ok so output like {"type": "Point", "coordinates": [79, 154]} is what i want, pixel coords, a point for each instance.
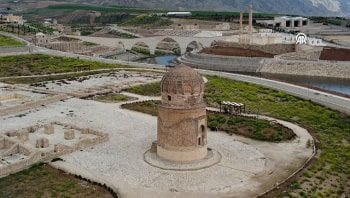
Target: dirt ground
{"type": "Point", "coordinates": [234, 51]}
{"type": "Point", "coordinates": [336, 54]}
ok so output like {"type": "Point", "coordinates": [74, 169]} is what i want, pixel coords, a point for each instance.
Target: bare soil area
{"type": "Point", "coordinates": [336, 54]}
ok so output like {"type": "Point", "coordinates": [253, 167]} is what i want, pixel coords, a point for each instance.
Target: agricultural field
{"type": "Point", "coordinates": [6, 41]}
{"type": "Point", "coordinates": [49, 182]}
{"type": "Point", "coordinates": [148, 21]}
{"type": "Point", "coordinates": [329, 174]}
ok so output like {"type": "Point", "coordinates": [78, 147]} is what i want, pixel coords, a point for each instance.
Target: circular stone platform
{"type": "Point", "coordinates": [213, 157]}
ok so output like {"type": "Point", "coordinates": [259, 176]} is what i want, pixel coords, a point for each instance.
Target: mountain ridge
{"type": "Point", "coordinates": [297, 7]}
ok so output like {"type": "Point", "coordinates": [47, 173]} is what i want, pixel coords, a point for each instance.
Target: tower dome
{"type": "Point", "coordinates": [182, 121]}
{"type": "Point", "coordinates": [182, 87]}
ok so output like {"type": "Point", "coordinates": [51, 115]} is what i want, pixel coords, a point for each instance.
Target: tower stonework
{"type": "Point", "coordinates": [250, 27]}
{"type": "Point", "coordinates": [182, 120]}
{"type": "Point", "coordinates": [241, 21]}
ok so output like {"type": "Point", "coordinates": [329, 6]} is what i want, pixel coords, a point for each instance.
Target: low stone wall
{"type": "Point", "coordinates": [11, 96]}
{"type": "Point", "coordinates": [222, 63]}
{"type": "Point", "coordinates": [31, 105]}
{"type": "Point", "coordinates": [271, 48]}
{"type": "Point", "coordinates": [11, 141]}
{"type": "Point", "coordinates": [13, 168]}
{"type": "Point", "coordinates": [307, 68]}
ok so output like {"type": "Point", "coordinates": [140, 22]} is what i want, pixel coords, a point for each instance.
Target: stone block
{"type": "Point", "coordinates": [49, 129]}
{"type": "Point", "coordinates": [42, 143]}
{"type": "Point", "coordinates": [23, 137]}
{"type": "Point", "coordinates": [69, 134]}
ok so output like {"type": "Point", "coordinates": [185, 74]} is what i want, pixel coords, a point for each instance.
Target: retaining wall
{"type": "Point", "coordinates": [270, 48]}
{"type": "Point", "coordinates": [222, 63]}
{"type": "Point", "coordinates": [334, 69]}
{"type": "Point", "coordinates": [31, 105]}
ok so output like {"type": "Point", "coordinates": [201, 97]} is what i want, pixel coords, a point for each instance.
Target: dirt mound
{"type": "Point", "coordinates": [234, 51]}
{"type": "Point", "coordinates": [336, 54]}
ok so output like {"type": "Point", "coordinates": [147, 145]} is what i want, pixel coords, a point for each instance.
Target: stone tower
{"type": "Point", "coordinates": [182, 120]}
{"type": "Point", "coordinates": [250, 28]}
{"type": "Point", "coordinates": [241, 21]}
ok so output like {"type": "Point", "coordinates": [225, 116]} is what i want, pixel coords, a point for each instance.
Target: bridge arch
{"type": "Point", "coordinates": [121, 46]}
{"type": "Point", "coordinates": [194, 45]}
{"type": "Point", "coordinates": [168, 45]}
{"type": "Point", "coordinates": [141, 47]}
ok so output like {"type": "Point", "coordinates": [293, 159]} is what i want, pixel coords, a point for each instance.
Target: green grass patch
{"type": "Point", "coordinates": [250, 127]}
{"type": "Point", "coordinates": [86, 43]}
{"type": "Point", "coordinates": [150, 89]}
{"type": "Point", "coordinates": [149, 21]}
{"type": "Point", "coordinates": [114, 97]}
{"type": "Point", "coordinates": [103, 9]}
{"type": "Point", "coordinates": [6, 41]}
{"type": "Point", "coordinates": [32, 80]}
{"type": "Point", "coordinates": [41, 180]}
{"type": "Point", "coordinates": [37, 64]}
{"type": "Point", "coordinates": [149, 107]}
{"type": "Point", "coordinates": [331, 127]}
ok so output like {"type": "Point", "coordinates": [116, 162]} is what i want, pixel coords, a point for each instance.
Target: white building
{"type": "Point", "coordinates": [179, 14]}
{"type": "Point", "coordinates": [10, 18]}
{"type": "Point", "coordinates": [286, 22]}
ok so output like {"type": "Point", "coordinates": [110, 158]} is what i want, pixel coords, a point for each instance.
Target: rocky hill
{"type": "Point", "coordinates": [300, 7]}
{"type": "Point", "coordinates": [297, 7]}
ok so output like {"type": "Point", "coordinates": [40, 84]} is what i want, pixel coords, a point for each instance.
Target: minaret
{"type": "Point", "coordinates": [250, 29]}
{"type": "Point", "coordinates": [241, 21]}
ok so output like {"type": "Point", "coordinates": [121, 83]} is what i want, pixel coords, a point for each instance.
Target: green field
{"type": "Point", "coordinates": [73, 7]}
{"type": "Point", "coordinates": [330, 127]}
{"type": "Point", "coordinates": [37, 64]}
{"type": "Point", "coordinates": [113, 98]}
{"type": "Point", "coordinates": [149, 107]}
{"type": "Point", "coordinates": [151, 89]}
{"type": "Point", "coordinates": [6, 41]}
{"type": "Point", "coordinates": [232, 124]}
{"type": "Point", "coordinates": [330, 173]}
{"type": "Point", "coordinates": [148, 21]}
{"type": "Point", "coordinates": [44, 181]}
{"type": "Point", "coordinates": [250, 127]}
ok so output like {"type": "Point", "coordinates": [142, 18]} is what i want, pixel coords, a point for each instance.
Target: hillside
{"type": "Point", "coordinates": [301, 7]}
{"type": "Point", "coordinates": [297, 7]}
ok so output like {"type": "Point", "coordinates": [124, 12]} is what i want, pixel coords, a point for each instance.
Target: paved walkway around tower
{"type": "Point", "coordinates": [248, 167]}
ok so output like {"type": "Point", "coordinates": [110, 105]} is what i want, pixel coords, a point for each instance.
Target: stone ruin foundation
{"type": "Point", "coordinates": [19, 149]}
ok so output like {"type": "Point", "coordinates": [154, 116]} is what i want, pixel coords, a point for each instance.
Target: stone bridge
{"type": "Point", "coordinates": [152, 42]}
